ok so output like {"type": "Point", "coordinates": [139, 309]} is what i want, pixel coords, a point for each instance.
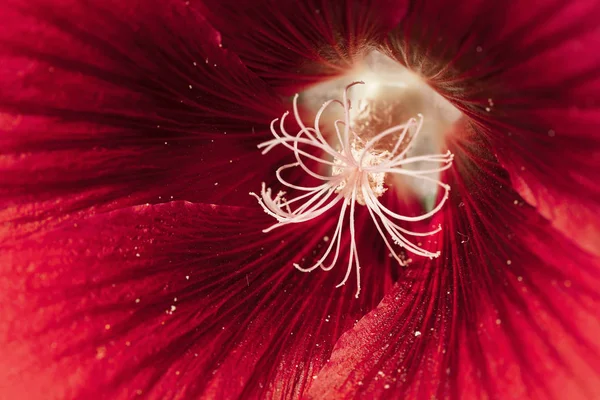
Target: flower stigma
{"type": "Point", "coordinates": [357, 166]}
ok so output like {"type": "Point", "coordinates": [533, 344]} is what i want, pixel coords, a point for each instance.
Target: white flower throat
{"type": "Point", "coordinates": [358, 168]}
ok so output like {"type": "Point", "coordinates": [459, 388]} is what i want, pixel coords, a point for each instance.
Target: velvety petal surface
{"type": "Point", "coordinates": [107, 103]}
{"type": "Point", "coordinates": [528, 75]}
{"type": "Point", "coordinates": [292, 44]}
{"type": "Point", "coordinates": [509, 311]}
{"type": "Point", "coordinates": [176, 300]}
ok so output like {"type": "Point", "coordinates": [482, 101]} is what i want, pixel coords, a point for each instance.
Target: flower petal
{"type": "Point", "coordinates": [292, 44]}
{"type": "Point", "coordinates": [568, 211]}
{"type": "Point", "coordinates": [509, 310]}
{"type": "Point", "coordinates": [177, 300]}
{"type": "Point", "coordinates": [528, 76]}
{"type": "Point", "coordinates": [109, 104]}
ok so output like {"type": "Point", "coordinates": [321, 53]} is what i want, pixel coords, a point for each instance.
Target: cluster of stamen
{"type": "Point", "coordinates": [358, 172]}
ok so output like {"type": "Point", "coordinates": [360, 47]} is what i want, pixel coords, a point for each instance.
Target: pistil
{"type": "Point", "coordinates": [358, 170]}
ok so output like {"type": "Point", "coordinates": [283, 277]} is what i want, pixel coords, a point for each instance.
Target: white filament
{"type": "Point", "coordinates": [357, 175]}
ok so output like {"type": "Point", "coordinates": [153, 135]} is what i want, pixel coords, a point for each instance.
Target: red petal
{"type": "Point", "coordinates": [528, 76]}
{"type": "Point", "coordinates": [509, 310]}
{"type": "Point", "coordinates": [568, 212]}
{"type": "Point", "coordinates": [118, 103]}
{"type": "Point", "coordinates": [292, 44]}
{"type": "Point", "coordinates": [221, 311]}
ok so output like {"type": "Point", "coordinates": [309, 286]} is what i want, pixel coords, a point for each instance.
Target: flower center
{"type": "Point", "coordinates": [358, 160]}
{"type": "Point", "coordinates": [391, 95]}
{"type": "Point", "coordinates": [352, 174]}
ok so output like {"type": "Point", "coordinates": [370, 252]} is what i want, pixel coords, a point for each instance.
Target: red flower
{"type": "Point", "coordinates": [133, 260]}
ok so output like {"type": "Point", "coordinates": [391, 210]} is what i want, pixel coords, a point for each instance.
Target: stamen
{"type": "Point", "coordinates": [358, 172]}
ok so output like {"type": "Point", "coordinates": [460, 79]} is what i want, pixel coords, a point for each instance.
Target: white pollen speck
{"type": "Point", "coordinates": [498, 321]}
{"type": "Point", "coordinates": [100, 352]}
{"type": "Point", "coordinates": [326, 238]}
{"type": "Point", "coordinates": [508, 262]}
{"type": "Point", "coordinates": [386, 386]}
{"type": "Point", "coordinates": [190, 86]}
{"type": "Point", "coordinates": [187, 277]}
{"type": "Point", "coordinates": [195, 63]}
{"type": "Point", "coordinates": [417, 333]}
{"type": "Point", "coordinates": [216, 183]}
{"type": "Point", "coordinates": [488, 109]}
{"type": "Point", "coordinates": [173, 308]}
{"type": "Point", "coordinates": [137, 255]}
{"type": "Point", "coordinates": [520, 278]}
{"type": "Point", "coordinates": [137, 300]}
{"type": "Point", "coordinates": [314, 376]}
